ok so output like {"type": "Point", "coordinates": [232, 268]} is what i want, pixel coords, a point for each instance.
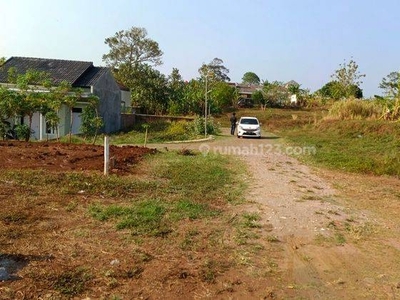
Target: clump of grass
{"type": "Point", "coordinates": [339, 239]}
{"type": "Point", "coordinates": [250, 220]}
{"type": "Point", "coordinates": [144, 218]}
{"type": "Point", "coordinates": [273, 239]}
{"type": "Point", "coordinates": [245, 228]}
{"type": "Point", "coordinates": [73, 282]}
{"type": "Point", "coordinates": [359, 231]}
{"type": "Point", "coordinates": [211, 268]}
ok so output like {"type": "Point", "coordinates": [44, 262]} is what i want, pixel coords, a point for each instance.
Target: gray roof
{"type": "Point", "coordinates": [78, 73]}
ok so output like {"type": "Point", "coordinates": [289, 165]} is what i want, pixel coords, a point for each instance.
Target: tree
{"type": "Point", "coordinates": [348, 77]}
{"type": "Point", "coordinates": [91, 121]}
{"type": "Point", "coordinates": [250, 78]}
{"type": "Point", "coordinates": [193, 96]}
{"type": "Point", "coordinates": [132, 57]}
{"type": "Point", "coordinates": [258, 97]}
{"type": "Point", "coordinates": [176, 86]}
{"type": "Point", "coordinates": [150, 91]}
{"type": "Point", "coordinates": [391, 85]}
{"type": "Point", "coordinates": [216, 68]}
{"type": "Point", "coordinates": [2, 61]}
{"type": "Point", "coordinates": [275, 93]}
{"type": "Point", "coordinates": [221, 96]}
{"type": "Point", "coordinates": [294, 89]}
{"type": "Point", "coordinates": [131, 48]}
{"type": "Point", "coordinates": [31, 99]}
{"type": "Point", "coordinates": [335, 90]}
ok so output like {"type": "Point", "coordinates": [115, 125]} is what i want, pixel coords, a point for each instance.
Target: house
{"type": "Point", "coordinates": [245, 90]}
{"type": "Point", "coordinates": [93, 80]}
{"type": "Point", "coordinates": [291, 83]}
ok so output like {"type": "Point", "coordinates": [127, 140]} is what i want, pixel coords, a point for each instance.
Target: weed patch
{"type": "Point", "coordinates": [72, 283]}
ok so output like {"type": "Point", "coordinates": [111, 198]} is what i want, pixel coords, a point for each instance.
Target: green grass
{"type": "Point", "coordinates": [205, 179]}
{"type": "Point", "coordinates": [363, 146]}
{"type": "Point", "coordinates": [182, 187]}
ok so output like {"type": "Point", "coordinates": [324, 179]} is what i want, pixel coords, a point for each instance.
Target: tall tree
{"type": "Point", "coordinates": [348, 76]}
{"type": "Point", "coordinates": [251, 78]}
{"type": "Point", "coordinates": [217, 69]}
{"type": "Point", "coordinates": [391, 84]}
{"type": "Point", "coordinates": [131, 48]}
{"type": "Point", "coordinates": [132, 57]}
{"type": "Point", "coordinates": [222, 95]}
{"type": "Point", "coordinates": [176, 85]}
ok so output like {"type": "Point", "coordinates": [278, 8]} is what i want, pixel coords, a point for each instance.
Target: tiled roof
{"type": "Point", "coordinates": [90, 77]}
{"type": "Point", "coordinates": [78, 73]}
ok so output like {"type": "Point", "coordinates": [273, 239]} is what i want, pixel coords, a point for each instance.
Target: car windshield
{"type": "Point", "coordinates": [249, 121]}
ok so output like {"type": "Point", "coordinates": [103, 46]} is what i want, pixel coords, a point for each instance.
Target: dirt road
{"type": "Point", "coordinates": [331, 235]}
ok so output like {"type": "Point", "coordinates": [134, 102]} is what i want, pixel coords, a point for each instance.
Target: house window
{"type": "Point", "coordinates": [50, 129]}
{"type": "Point", "coordinates": [77, 110]}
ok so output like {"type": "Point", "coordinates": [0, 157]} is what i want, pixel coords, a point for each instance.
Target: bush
{"type": "Point", "coordinates": [177, 131]}
{"type": "Point", "coordinates": [23, 132]}
{"type": "Point", "coordinates": [197, 126]}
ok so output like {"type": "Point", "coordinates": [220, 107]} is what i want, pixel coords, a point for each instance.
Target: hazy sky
{"type": "Point", "coordinates": [303, 40]}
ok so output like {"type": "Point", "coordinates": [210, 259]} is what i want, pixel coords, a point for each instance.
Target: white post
{"type": "Point", "coordinates": [205, 110]}
{"type": "Point", "coordinates": [106, 155]}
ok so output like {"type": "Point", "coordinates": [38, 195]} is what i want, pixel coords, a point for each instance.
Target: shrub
{"type": "Point", "coordinates": [197, 126]}
{"type": "Point", "coordinates": [23, 132]}
{"type": "Point", "coordinates": [177, 131]}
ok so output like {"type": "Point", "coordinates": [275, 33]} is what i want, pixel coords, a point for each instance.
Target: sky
{"type": "Point", "coordinates": [283, 40]}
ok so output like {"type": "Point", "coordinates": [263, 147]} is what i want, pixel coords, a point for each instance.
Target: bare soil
{"type": "Point", "coordinates": [61, 157]}
{"type": "Point", "coordinates": [322, 234]}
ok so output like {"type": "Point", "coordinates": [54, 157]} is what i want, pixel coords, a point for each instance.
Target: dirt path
{"type": "Point", "coordinates": [328, 238]}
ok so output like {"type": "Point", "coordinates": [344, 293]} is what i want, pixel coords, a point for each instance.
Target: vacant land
{"type": "Point", "coordinates": [61, 157]}
{"type": "Point", "coordinates": [178, 224]}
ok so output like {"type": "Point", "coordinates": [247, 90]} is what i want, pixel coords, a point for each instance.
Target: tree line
{"type": "Point", "coordinates": [133, 56]}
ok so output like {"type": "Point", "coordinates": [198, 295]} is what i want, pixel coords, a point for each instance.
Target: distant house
{"type": "Point", "coordinates": [245, 90]}
{"type": "Point", "coordinates": [291, 83]}
{"type": "Point", "coordinates": [97, 81]}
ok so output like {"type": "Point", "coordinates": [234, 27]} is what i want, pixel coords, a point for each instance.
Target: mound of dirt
{"type": "Point", "coordinates": [60, 157]}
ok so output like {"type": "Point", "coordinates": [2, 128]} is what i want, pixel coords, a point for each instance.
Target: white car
{"type": "Point", "coordinates": [249, 126]}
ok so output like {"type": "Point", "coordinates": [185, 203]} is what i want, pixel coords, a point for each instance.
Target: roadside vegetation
{"type": "Point", "coordinates": [351, 135]}
{"type": "Point", "coordinates": [165, 131]}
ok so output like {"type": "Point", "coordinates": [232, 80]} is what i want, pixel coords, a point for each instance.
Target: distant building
{"type": "Point", "coordinates": [97, 81]}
